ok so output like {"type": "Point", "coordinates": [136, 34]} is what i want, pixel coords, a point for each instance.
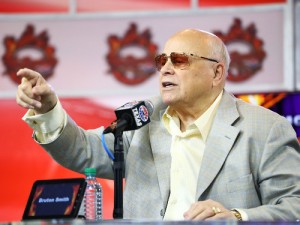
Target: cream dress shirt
{"type": "Point", "coordinates": [187, 150]}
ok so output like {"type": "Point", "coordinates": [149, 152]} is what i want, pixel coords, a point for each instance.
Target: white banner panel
{"type": "Point", "coordinates": [81, 46]}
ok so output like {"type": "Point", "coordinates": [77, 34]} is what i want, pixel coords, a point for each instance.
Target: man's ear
{"type": "Point", "coordinates": [219, 76]}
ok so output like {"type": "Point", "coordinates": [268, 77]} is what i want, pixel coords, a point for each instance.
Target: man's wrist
{"type": "Point", "coordinates": [237, 215]}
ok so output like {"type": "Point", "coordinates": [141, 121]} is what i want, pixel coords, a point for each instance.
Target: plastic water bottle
{"type": "Point", "coordinates": [93, 196]}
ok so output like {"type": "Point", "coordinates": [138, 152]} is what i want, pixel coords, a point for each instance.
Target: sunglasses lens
{"type": "Point", "coordinates": [160, 61]}
{"type": "Point", "coordinates": [180, 61]}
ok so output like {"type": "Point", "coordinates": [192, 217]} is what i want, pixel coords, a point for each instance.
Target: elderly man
{"type": "Point", "coordinates": [205, 155]}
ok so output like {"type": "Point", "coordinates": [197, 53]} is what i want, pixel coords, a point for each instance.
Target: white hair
{"type": "Point", "coordinates": [219, 52]}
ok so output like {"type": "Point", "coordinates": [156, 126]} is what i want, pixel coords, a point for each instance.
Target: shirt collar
{"type": "Point", "coordinates": [202, 125]}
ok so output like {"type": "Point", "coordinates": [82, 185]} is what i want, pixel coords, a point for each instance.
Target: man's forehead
{"type": "Point", "coordinates": [184, 45]}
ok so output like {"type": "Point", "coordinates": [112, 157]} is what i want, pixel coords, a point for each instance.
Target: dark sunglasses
{"type": "Point", "coordinates": [179, 60]}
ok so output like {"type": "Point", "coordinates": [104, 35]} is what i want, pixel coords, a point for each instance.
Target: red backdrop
{"type": "Point", "coordinates": [22, 161]}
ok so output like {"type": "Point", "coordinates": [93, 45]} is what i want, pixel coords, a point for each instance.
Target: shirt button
{"type": "Point", "coordinates": [162, 212]}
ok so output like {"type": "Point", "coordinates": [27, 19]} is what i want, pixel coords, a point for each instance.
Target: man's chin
{"type": "Point", "coordinates": [168, 100]}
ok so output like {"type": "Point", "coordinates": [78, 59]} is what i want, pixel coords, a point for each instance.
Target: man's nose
{"type": "Point", "coordinates": [168, 67]}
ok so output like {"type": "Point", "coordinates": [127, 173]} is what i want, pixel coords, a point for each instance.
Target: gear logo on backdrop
{"type": "Point", "coordinates": [29, 51]}
{"type": "Point", "coordinates": [246, 51]}
{"type": "Point", "coordinates": [131, 57]}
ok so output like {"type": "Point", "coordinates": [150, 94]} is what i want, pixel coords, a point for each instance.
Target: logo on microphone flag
{"type": "Point", "coordinates": [143, 112]}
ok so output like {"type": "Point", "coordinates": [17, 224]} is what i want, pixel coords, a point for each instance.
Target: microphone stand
{"type": "Point", "coordinates": [118, 174]}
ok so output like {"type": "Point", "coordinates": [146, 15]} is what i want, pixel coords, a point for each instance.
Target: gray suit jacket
{"type": "Point", "coordinates": [251, 161]}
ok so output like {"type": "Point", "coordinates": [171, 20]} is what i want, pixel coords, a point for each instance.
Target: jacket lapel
{"type": "Point", "coordinates": [219, 143]}
{"type": "Point", "coordinates": [160, 141]}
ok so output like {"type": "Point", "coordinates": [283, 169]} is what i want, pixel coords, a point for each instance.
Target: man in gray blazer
{"type": "Point", "coordinates": [205, 154]}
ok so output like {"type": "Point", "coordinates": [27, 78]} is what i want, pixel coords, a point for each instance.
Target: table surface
{"type": "Point", "coordinates": [146, 222]}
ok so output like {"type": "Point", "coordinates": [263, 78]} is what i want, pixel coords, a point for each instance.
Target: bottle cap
{"type": "Point", "coordinates": [90, 171]}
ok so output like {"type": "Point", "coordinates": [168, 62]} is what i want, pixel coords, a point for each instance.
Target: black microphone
{"type": "Point", "coordinates": [131, 116]}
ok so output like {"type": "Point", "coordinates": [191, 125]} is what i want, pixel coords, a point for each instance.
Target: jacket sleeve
{"type": "Point", "coordinates": [76, 149]}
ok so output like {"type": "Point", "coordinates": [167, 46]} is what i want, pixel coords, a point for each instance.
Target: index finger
{"type": "Point", "coordinates": [28, 73]}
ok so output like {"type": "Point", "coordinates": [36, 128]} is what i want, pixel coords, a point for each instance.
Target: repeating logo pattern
{"type": "Point", "coordinates": [13, 59]}
{"type": "Point", "coordinates": [243, 65]}
{"type": "Point", "coordinates": [130, 69]}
